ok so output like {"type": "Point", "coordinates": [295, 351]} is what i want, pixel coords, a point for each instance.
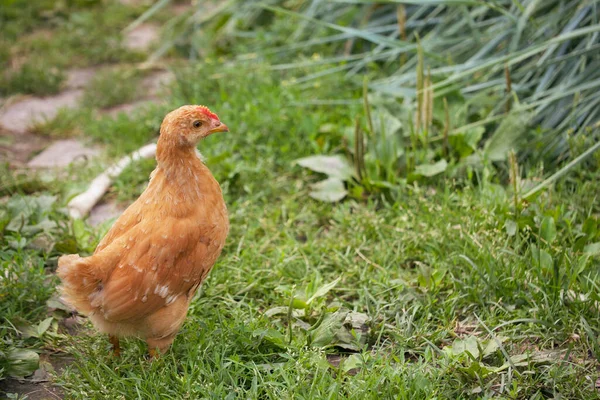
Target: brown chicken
{"type": "Point", "coordinates": [143, 274]}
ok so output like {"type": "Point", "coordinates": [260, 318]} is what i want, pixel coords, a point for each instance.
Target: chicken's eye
{"type": "Point", "coordinates": [197, 124]}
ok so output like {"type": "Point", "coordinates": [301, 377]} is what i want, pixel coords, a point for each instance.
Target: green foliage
{"type": "Point", "coordinates": [29, 228]}
{"type": "Point", "coordinates": [17, 363]}
{"type": "Point", "coordinates": [515, 65]}
{"type": "Point", "coordinates": [445, 291]}
{"type": "Point", "coordinates": [21, 16]}
{"type": "Point", "coordinates": [67, 122]}
{"type": "Point", "coordinates": [61, 34]}
{"type": "Point", "coordinates": [112, 87]}
{"type": "Point", "coordinates": [33, 78]}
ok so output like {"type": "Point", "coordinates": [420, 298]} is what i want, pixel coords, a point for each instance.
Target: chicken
{"type": "Point", "coordinates": [144, 272]}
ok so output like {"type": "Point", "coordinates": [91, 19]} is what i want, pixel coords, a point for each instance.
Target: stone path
{"type": "Point", "coordinates": [62, 153]}
{"type": "Point", "coordinates": [17, 148]}
{"type": "Point", "coordinates": [19, 115]}
{"type": "Point", "coordinates": [142, 37]}
{"type": "Point", "coordinates": [103, 212]}
{"type": "Point", "coordinates": [22, 115]}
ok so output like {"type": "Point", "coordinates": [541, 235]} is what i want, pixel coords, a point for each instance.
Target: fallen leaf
{"type": "Point", "coordinates": [431, 169]}
{"type": "Point", "coordinates": [592, 248]}
{"type": "Point", "coordinates": [330, 190]}
{"type": "Point", "coordinates": [333, 166]}
{"type": "Point", "coordinates": [323, 290]}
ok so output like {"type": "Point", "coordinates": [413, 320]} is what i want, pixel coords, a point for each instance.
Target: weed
{"type": "Point", "coordinates": [33, 78]}
{"type": "Point", "coordinates": [111, 88]}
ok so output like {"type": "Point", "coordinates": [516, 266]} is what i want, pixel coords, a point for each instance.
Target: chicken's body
{"type": "Point", "coordinates": [143, 274]}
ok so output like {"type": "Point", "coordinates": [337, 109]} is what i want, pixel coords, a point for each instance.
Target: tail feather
{"type": "Point", "coordinates": [78, 282]}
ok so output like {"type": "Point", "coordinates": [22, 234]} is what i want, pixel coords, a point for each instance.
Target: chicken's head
{"type": "Point", "coordinates": [187, 125]}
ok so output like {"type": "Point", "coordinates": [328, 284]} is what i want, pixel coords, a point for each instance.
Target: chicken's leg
{"type": "Point", "coordinates": [114, 340]}
{"type": "Point", "coordinates": [157, 347]}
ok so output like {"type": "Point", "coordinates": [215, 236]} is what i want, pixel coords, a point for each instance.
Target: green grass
{"type": "Point", "coordinates": [47, 37]}
{"type": "Point", "coordinates": [111, 88]}
{"type": "Point", "coordinates": [445, 287]}
{"type": "Point", "coordinates": [436, 273]}
{"type": "Point", "coordinates": [33, 79]}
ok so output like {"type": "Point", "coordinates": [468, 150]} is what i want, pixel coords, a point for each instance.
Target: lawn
{"type": "Point", "coordinates": [422, 279]}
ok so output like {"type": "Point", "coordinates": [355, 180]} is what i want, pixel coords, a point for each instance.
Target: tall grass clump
{"type": "Point", "coordinates": [454, 83]}
{"type": "Point", "coordinates": [549, 51]}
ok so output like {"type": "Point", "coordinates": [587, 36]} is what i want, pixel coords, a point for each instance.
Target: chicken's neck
{"type": "Point", "coordinates": [180, 167]}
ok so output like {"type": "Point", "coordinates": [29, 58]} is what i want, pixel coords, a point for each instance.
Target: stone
{"type": "Point", "coordinates": [17, 148]}
{"type": "Point", "coordinates": [156, 81]}
{"type": "Point", "coordinates": [103, 212]}
{"type": "Point", "coordinates": [127, 108]}
{"type": "Point", "coordinates": [141, 37]}
{"type": "Point", "coordinates": [23, 114]}
{"type": "Point", "coordinates": [137, 3]}
{"type": "Point", "coordinates": [61, 154]}
{"type": "Point", "coordinates": [79, 78]}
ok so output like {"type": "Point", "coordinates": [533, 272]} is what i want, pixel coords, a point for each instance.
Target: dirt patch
{"type": "Point", "coordinates": [39, 386]}
{"type": "Point", "coordinates": [33, 391]}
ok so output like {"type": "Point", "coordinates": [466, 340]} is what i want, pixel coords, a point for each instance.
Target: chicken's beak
{"type": "Point", "coordinates": [221, 127]}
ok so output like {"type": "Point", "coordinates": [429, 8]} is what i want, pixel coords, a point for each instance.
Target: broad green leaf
{"type": "Point", "coordinates": [4, 219]}
{"type": "Point", "coordinates": [357, 320]}
{"type": "Point", "coordinates": [492, 345]}
{"type": "Point", "coordinates": [461, 346]}
{"type": "Point", "coordinates": [590, 227]}
{"type": "Point", "coordinates": [333, 166]}
{"type": "Point", "coordinates": [506, 137]}
{"type": "Point", "coordinates": [299, 303]}
{"type": "Point", "coordinates": [464, 143]}
{"type": "Point", "coordinates": [548, 230]}
{"type": "Point", "coordinates": [477, 370]}
{"type": "Point", "coordinates": [323, 290]}
{"type": "Point", "coordinates": [21, 362]}
{"type": "Point", "coordinates": [546, 262]}
{"type": "Point", "coordinates": [271, 335]}
{"type": "Point", "coordinates": [592, 248]}
{"type": "Point", "coordinates": [43, 326]}
{"type": "Point", "coordinates": [431, 169]}
{"type": "Point", "coordinates": [537, 357]}
{"type": "Point", "coordinates": [511, 227]}
{"type": "Point", "coordinates": [389, 123]}
{"type": "Point", "coordinates": [354, 361]}
{"type": "Point", "coordinates": [279, 310]}
{"type": "Point", "coordinates": [54, 303]}
{"type": "Point", "coordinates": [325, 333]}
{"type": "Point", "coordinates": [82, 236]}
{"type": "Point", "coordinates": [45, 202]}
{"type": "Point", "coordinates": [330, 190]}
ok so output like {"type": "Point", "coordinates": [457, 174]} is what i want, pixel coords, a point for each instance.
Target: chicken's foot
{"type": "Point", "coordinates": [156, 347]}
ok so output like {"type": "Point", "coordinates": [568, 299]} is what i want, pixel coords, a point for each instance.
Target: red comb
{"type": "Point", "coordinates": [204, 110]}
